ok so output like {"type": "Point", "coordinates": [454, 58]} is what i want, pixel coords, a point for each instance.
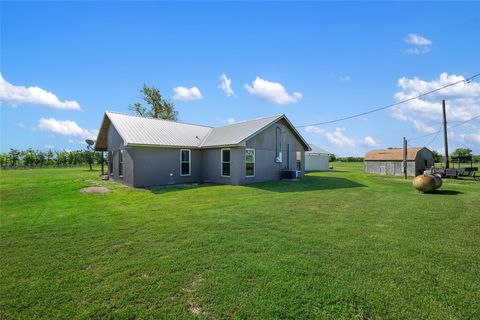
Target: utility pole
{"type": "Point", "coordinates": [404, 164]}
{"type": "Point", "coordinates": [445, 140]}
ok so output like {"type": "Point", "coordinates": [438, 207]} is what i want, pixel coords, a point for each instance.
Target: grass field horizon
{"type": "Point", "coordinates": [335, 245]}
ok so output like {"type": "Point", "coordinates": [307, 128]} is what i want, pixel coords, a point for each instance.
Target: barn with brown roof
{"type": "Point", "coordinates": [389, 161]}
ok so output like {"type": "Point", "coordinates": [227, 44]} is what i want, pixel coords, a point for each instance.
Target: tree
{"type": "Point", "coordinates": [437, 157]}
{"type": "Point", "coordinates": [29, 157]}
{"type": "Point", "coordinates": [49, 156]}
{"type": "Point", "coordinates": [158, 107]}
{"type": "Point", "coordinates": [3, 159]}
{"type": "Point", "coordinates": [13, 157]}
{"type": "Point", "coordinates": [61, 158]}
{"type": "Point", "coordinates": [460, 152]}
{"type": "Point", "coordinates": [332, 158]}
{"type": "Point", "coordinates": [90, 152]}
{"type": "Point", "coordinates": [41, 158]}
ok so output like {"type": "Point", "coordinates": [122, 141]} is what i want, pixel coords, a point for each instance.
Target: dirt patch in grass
{"type": "Point", "coordinates": [95, 190]}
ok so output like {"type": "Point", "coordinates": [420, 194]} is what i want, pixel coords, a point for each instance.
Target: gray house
{"type": "Point", "coordinates": [390, 161]}
{"type": "Point", "coordinates": [147, 152]}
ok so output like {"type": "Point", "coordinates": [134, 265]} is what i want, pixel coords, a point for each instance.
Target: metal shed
{"type": "Point", "coordinates": [389, 161]}
{"type": "Point", "coordinates": [316, 159]}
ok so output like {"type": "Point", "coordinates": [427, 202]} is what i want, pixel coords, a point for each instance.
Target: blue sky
{"type": "Point", "coordinates": [314, 62]}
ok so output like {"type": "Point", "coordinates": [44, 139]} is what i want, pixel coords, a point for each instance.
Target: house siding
{"type": "Point", "coordinates": [316, 162]}
{"type": "Point", "coordinates": [115, 144]}
{"type": "Point", "coordinates": [266, 168]}
{"type": "Point", "coordinates": [212, 165]}
{"type": "Point", "coordinates": [150, 166]}
{"type": "Point", "coordinates": [154, 165]}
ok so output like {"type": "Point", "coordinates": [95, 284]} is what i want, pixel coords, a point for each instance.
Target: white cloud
{"type": "Point", "coordinates": [420, 50]}
{"type": "Point", "coordinates": [48, 146]}
{"type": "Point", "coordinates": [314, 129]}
{"type": "Point", "coordinates": [231, 121]}
{"type": "Point", "coordinates": [226, 85]}
{"type": "Point", "coordinates": [339, 139]}
{"type": "Point", "coordinates": [345, 78]}
{"type": "Point", "coordinates": [418, 40]}
{"type": "Point", "coordinates": [420, 44]}
{"type": "Point", "coordinates": [186, 94]}
{"type": "Point", "coordinates": [421, 126]}
{"type": "Point", "coordinates": [425, 113]}
{"type": "Point", "coordinates": [67, 128]}
{"type": "Point", "coordinates": [272, 91]}
{"type": "Point", "coordinates": [22, 125]}
{"type": "Point", "coordinates": [71, 141]}
{"type": "Point", "coordinates": [16, 95]}
{"type": "Point", "coordinates": [369, 142]}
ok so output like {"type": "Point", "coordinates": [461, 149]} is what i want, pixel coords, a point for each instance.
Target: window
{"type": "Point", "coordinates": [120, 163]}
{"type": "Point", "coordinates": [250, 162]}
{"type": "Point", "coordinates": [110, 162]}
{"type": "Point", "coordinates": [185, 162]}
{"type": "Point", "coordinates": [225, 162]}
{"type": "Point", "coordinates": [298, 158]}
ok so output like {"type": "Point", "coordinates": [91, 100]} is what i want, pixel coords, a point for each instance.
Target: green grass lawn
{"type": "Point", "coordinates": [336, 245]}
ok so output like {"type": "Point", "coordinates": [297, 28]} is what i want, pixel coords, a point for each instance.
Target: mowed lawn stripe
{"type": "Point", "coordinates": [334, 245]}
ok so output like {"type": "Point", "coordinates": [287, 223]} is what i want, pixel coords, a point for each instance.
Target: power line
{"type": "Point", "coordinates": [437, 132]}
{"type": "Point", "coordinates": [436, 136]}
{"type": "Point", "coordinates": [467, 80]}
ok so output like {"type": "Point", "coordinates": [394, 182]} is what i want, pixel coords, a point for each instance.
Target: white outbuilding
{"type": "Point", "coordinates": [316, 159]}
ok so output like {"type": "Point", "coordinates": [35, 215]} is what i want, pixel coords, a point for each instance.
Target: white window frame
{"type": "Point", "coordinates": [189, 162]}
{"type": "Point", "coordinates": [297, 162]}
{"type": "Point", "coordinates": [254, 161]}
{"type": "Point", "coordinates": [229, 162]}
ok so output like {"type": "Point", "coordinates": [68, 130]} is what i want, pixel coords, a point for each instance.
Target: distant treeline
{"type": "Point", "coordinates": [333, 158]}
{"type": "Point", "coordinates": [31, 158]}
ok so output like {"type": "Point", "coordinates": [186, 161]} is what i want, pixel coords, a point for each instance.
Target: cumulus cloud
{"type": "Point", "coordinates": [314, 129]}
{"type": "Point", "coordinates": [231, 121]}
{"type": "Point", "coordinates": [418, 40]}
{"type": "Point", "coordinates": [16, 95]}
{"type": "Point", "coordinates": [272, 91]}
{"type": "Point", "coordinates": [66, 128]}
{"type": "Point", "coordinates": [420, 44]}
{"type": "Point", "coordinates": [339, 139]}
{"type": "Point", "coordinates": [48, 146]}
{"type": "Point", "coordinates": [226, 85]}
{"type": "Point", "coordinates": [186, 94]}
{"type": "Point", "coordinates": [369, 142]}
{"type": "Point", "coordinates": [345, 78]}
{"type": "Point", "coordinates": [425, 113]}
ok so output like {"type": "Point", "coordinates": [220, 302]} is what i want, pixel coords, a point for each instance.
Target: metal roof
{"type": "Point", "coordinates": [316, 150]}
{"type": "Point", "coordinates": [395, 154]}
{"type": "Point", "coordinates": [236, 133]}
{"type": "Point", "coordinates": [136, 130]}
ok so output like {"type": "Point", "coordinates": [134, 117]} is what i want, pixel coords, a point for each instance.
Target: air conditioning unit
{"type": "Point", "coordinates": [290, 174]}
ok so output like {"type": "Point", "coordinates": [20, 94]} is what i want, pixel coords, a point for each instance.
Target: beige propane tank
{"type": "Point", "coordinates": [424, 183]}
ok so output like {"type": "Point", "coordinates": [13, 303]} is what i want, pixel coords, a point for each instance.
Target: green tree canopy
{"type": "Point", "coordinates": [459, 152]}
{"type": "Point", "coordinates": [158, 107]}
{"type": "Point", "coordinates": [437, 157]}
